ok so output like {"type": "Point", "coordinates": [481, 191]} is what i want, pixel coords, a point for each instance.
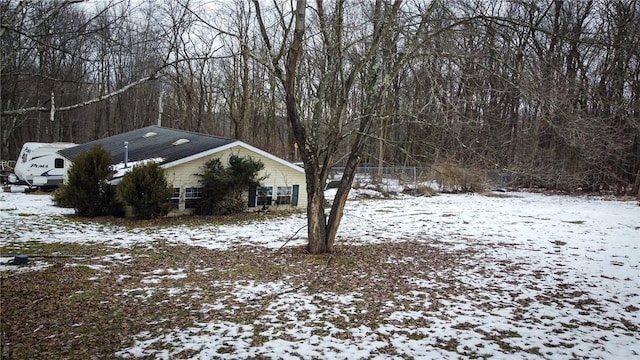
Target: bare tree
{"type": "Point", "coordinates": [38, 43]}
{"type": "Point", "coordinates": [319, 71]}
{"type": "Point", "coordinates": [547, 90]}
{"type": "Point", "coordinates": [67, 66]}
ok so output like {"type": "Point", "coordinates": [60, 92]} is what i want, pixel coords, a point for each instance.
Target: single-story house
{"type": "Point", "coordinates": [183, 154]}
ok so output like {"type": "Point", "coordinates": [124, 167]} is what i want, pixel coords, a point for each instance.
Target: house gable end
{"type": "Point", "coordinates": [222, 148]}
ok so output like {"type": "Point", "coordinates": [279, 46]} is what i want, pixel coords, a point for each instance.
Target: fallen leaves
{"type": "Point", "coordinates": [96, 305]}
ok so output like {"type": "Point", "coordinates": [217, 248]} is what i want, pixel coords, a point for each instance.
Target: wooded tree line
{"type": "Point", "coordinates": [546, 90]}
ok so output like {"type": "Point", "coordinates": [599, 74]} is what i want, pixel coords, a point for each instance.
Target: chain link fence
{"type": "Point", "coordinates": [387, 178]}
{"type": "Point", "coordinates": [410, 178]}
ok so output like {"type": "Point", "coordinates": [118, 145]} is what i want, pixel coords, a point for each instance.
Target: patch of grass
{"type": "Point", "coordinates": [631, 308]}
{"type": "Point", "coordinates": [560, 344]}
{"type": "Point", "coordinates": [506, 347]}
{"type": "Point", "coordinates": [585, 303]}
{"type": "Point", "coordinates": [450, 344]}
{"type": "Point", "coordinates": [559, 243]}
{"type": "Point", "coordinates": [385, 211]}
{"type": "Point", "coordinates": [498, 195]}
{"type": "Point", "coordinates": [629, 325]}
{"type": "Point", "coordinates": [186, 220]}
{"type": "Point", "coordinates": [81, 297]}
{"type": "Point", "coordinates": [321, 331]}
{"type": "Point", "coordinates": [499, 337]}
{"type": "Point", "coordinates": [534, 350]}
{"type": "Point", "coordinates": [189, 354]}
{"type": "Point", "coordinates": [257, 338]}
{"type": "Point", "coordinates": [463, 326]}
{"type": "Point", "coordinates": [224, 350]}
{"type": "Point", "coordinates": [416, 336]}
{"type": "Point", "coordinates": [509, 334]}
{"type": "Point", "coordinates": [569, 326]}
{"type": "Point", "coordinates": [247, 271]}
{"type": "Point", "coordinates": [317, 259]}
{"type": "Point", "coordinates": [42, 249]}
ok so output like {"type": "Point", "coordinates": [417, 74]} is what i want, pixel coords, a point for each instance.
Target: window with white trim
{"type": "Point", "coordinates": [284, 195]}
{"type": "Point", "coordinates": [191, 197]}
{"type": "Point", "coordinates": [175, 198]}
{"type": "Point", "coordinates": [264, 195]}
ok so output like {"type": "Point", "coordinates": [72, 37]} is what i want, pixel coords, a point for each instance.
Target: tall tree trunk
{"type": "Point", "coordinates": [340, 200]}
{"type": "Point", "coordinates": [316, 219]}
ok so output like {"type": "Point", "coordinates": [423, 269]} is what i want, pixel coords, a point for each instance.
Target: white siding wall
{"type": "Point", "coordinates": [184, 175]}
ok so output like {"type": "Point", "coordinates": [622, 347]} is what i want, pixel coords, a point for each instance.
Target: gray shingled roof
{"type": "Point", "coordinates": [143, 147]}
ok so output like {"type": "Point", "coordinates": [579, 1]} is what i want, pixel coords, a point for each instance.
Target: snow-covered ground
{"type": "Point", "coordinates": [529, 252]}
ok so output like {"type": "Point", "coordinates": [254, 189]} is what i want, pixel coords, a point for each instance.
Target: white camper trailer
{"type": "Point", "coordinates": [39, 165]}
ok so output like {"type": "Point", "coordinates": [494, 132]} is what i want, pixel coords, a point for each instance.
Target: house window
{"type": "Point", "coordinates": [191, 197]}
{"type": "Point", "coordinates": [59, 163]}
{"type": "Point", "coordinates": [264, 195]}
{"type": "Point", "coordinates": [175, 198]}
{"type": "Point", "coordinates": [284, 195]}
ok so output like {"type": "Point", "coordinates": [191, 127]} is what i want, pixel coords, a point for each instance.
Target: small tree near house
{"type": "Point", "coordinates": [87, 189]}
{"type": "Point", "coordinates": [224, 187]}
{"type": "Point", "coordinates": [146, 190]}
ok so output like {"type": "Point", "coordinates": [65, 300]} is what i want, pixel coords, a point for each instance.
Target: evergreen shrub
{"type": "Point", "coordinates": [146, 190]}
{"type": "Point", "coordinates": [223, 187]}
{"type": "Point", "coordinates": [87, 189]}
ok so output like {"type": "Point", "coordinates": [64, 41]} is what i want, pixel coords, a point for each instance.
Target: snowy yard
{"type": "Point", "coordinates": [525, 276]}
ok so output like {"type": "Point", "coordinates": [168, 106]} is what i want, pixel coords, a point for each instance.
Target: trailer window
{"type": "Point", "coordinates": [59, 163]}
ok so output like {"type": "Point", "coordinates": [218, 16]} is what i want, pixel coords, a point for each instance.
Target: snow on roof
{"type": "Point", "coordinates": [180, 142]}
{"type": "Point", "coordinates": [121, 170]}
